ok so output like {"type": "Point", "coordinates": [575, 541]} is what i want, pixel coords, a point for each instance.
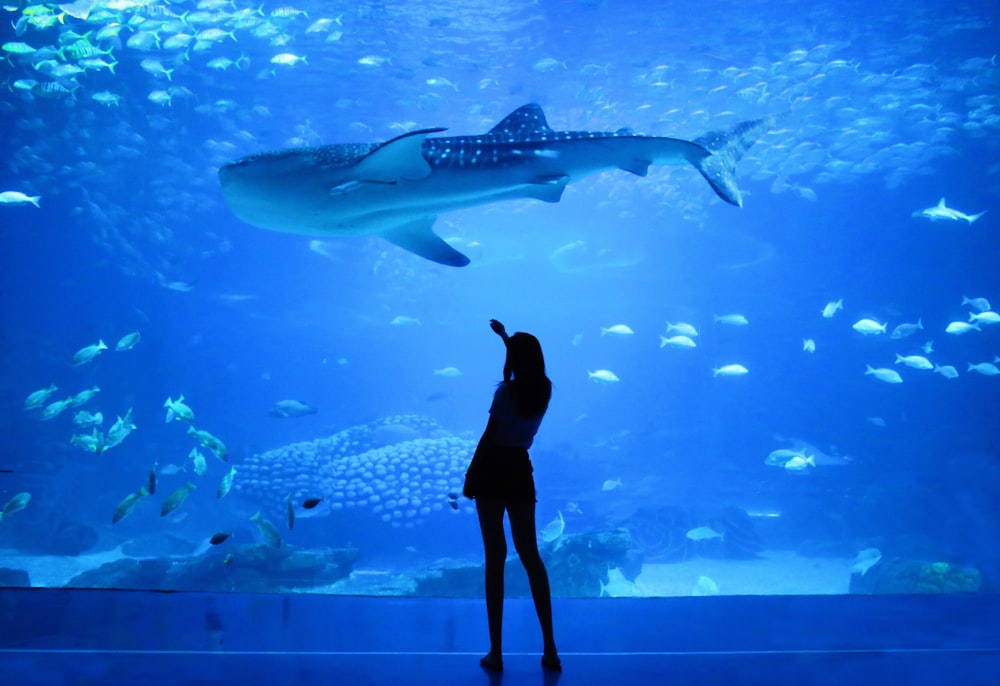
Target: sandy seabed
{"type": "Point", "coordinates": [774, 572]}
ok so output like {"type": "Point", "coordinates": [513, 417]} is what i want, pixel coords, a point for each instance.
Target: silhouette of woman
{"type": "Point", "coordinates": [500, 480]}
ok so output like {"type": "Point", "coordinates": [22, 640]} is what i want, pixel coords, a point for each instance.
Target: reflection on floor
{"type": "Point", "coordinates": [50, 636]}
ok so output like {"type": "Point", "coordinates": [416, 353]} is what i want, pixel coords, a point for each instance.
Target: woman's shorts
{"type": "Point", "coordinates": [501, 472]}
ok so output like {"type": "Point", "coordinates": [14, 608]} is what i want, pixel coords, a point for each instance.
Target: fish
{"type": "Point", "coordinates": [942, 211]}
{"type": "Point", "coordinates": [831, 308]}
{"type": "Point", "coordinates": [884, 374]}
{"type": "Point", "coordinates": [617, 330]}
{"type": "Point", "coordinates": [290, 511]}
{"type": "Point", "coordinates": [778, 458]}
{"type": "Point", "coordinates": [981, 304]}
{"type": "Point", "coordinates": [985, 368]}
{"type": "Point", "coordinates": [151, 480]}
{"type": "Point", "coordinates": [176, 499]}
{"type": "Point", "coordinates": [985, 317]}
{"type": "Point", "coordinates": [448, 372]}
{"type": "Point", "coordinates": [904, 330]}
{"type": "Point", "coordinates": [209, 441]}
{"type": "Point", "coordinates": [928, 347]}
{"type": "Point", "coordinates": [868, 327]}
{"type": "Point", "coordinates": [291, 408]}
{"type": "Point", "coordinates": [731, 319]}
{"type": "Point", "coordinates": [611, 484]}
{"type": "Point", "coordinates": [947, 371]}
{"type": "Point", "coordinates": [310, 503]}
{"type": "Point", "coordinates": [220, 537]}
{"type": "Point", "coordinates": [799, 463]}
{"type": "Point", "coordinates": [267, 530]}
{"type": "Point", "coordinates": [618, 585]}
{"type": "Point", "coordinates": [959, 328]}
{"type": "Point", "coordinates": [808, 345]}
{"type": "Point", "coordinates": [88, 353]}
{"type": "Point", "coordinates": [84, 396]}
{"type": "Point", "coordinates": [682, 328]}
{"type": "Point", "coordinates": [554, 529]}
{"type": "Point", "coordinates": [15, 504]}
{"type": "Point", "coordinates": [396, 189]}
{"type": "Point", "coordinates": [84, 418]}
{"type": "Point", "coordinates": [122, 427]}
{"type": "Point", "coordinates": [93, 442]}
{"type": "Point", "coordinates": [176, 409]}
{"type": "Point", "coordinates": [915, 361]}
{"type": "Point", "coordinates": [603, 376]}
{"type": "Point", "coordinates": [677, 342]}
{"type": "Point", "coordinates": [55, 408]}
{"type": "Point", "coordinates": [128, 341]}
{"type": "Point", "coordinates": [200, 466]}
{"type": "Point", "coordinates": [128, 503]}
{"type": "Point", "coordinates": [703, 533]}
{"type": "Point", "coordinates": [705, 586]}
{"type": "Point", "coordinates": [403, 320]}
{"type": "Point", "coordinates": [38, 398]}
{"type": "Point", "coordinates": [287, 59]}
{"type": "Point", "coordinates": [156, 68]}
{"type": "Point", "coordinates": [866, 559]}
{"type": "Point", "coordinates": [730, 370]}
{"type": "Point", "coordinates": [18, 198]}
{"type": "Point", "coordinates": [225, 484]}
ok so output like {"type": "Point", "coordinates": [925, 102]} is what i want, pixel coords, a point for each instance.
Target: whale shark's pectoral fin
{"type": "Point", "coordinates": [637, 167]}
{"type": "Point", "coordinates": [548, 188]}
{"type": "Point", "coordinates": [419, 238]}
{"type": "Point", "coordinates": [395, 160]}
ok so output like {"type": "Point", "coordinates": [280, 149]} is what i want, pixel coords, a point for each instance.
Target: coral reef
{"type": "Point", "coordinates": [400, 468]}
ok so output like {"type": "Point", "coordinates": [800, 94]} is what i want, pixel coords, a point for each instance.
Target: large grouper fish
{"type": "Point", "coordinates": [397, 188]}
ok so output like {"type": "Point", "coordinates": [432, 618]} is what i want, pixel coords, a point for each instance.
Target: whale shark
{"type": "Point", "coordinates": [396, 189]}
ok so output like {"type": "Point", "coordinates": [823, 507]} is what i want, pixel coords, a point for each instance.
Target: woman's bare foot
{"type": "Point", "coordinates": [551, 662]}
{"type": "Point", "coordinates": [492, 662]}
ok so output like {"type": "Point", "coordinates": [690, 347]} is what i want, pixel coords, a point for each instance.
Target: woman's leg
{"type": "Point", "coordinates": [490, 512]}
{"type": "Point", "coordinates": [522, 529]}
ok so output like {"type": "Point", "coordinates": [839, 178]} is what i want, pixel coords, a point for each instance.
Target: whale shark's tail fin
{"type": "Point", "coordinates": [972, 218]}
{"type": "Point", "coordinates": [727, 148]}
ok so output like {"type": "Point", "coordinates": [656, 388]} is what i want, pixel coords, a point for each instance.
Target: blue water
{"type": "Point", "coordinates": [883, 112]}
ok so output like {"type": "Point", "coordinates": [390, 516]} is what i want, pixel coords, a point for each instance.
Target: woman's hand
{"type": "Point", "coordinates": [498, 329]}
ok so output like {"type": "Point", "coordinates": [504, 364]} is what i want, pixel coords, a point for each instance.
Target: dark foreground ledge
{"type": "Point", "coordinates": [58, 636]}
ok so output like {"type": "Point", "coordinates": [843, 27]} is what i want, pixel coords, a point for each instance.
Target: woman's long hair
{"type": "Point", "coordinates": [532, 389]}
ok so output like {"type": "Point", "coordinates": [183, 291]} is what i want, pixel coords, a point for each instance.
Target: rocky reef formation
{"type": "Point", "coordinates": [576, 563]}
{"type": "Point", "coordinates": [14, 578]}
{"type": "Point", "coordinates": [400, 468]}
{"type": "Point", "coordinates": [900, 575]}
{"type": "Point", "coordinates": [661, 534]}
{"type": "Point", "coordinates": [246, 569]}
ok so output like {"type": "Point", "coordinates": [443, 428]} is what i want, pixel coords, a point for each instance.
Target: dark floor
{"type": "Point", "coordinates": [50, 636]}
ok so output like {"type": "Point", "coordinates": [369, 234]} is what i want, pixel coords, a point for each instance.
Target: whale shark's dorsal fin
{"type": "Point", "coordinates": [523, 122]}
{"type": "Point", "coordinates": [941, 203]}
{"type": "Point", "coordinates": [396, 159]}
